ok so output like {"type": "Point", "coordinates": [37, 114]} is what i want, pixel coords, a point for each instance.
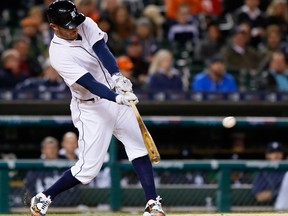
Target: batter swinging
{"type": "Point", "coordinates": [79, 53]}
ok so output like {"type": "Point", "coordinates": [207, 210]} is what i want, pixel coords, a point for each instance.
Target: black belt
{"type": "Point", "coordinates": [90, 99]}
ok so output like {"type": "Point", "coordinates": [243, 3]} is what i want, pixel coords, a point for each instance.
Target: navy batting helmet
{"type": "Point", "coordinates": [64, 14]}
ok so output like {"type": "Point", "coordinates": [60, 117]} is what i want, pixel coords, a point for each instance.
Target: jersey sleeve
{"type": "Point", "coordinates": [92, 32]}
{"type": "Point", "coordinates": [66, 66]}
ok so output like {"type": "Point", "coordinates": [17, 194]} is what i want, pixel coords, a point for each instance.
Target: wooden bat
{"type": "Point", "coordinates": [147, 138]}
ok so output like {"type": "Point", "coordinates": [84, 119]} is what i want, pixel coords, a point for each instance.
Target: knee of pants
{"type": "Point", "coordinates": [86, 174]}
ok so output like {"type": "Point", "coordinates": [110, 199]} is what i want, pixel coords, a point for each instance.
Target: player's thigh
{"type": "Point", "coordinates": [95, 125]}
{"type": "Point", "coordinates": [128, 132]}
{"type": "Point", "coordinates": [95, 132]}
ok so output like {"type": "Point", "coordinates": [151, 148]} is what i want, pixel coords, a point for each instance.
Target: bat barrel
{"type": "Point", "coordinates": [147, 138]}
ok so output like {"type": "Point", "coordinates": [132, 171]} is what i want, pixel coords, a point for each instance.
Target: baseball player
{"type": "Point", "coordinates": [100, 105]}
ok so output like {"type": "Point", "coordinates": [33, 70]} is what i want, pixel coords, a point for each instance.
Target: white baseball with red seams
{"type": "Point", "coordinates": [95, 120]}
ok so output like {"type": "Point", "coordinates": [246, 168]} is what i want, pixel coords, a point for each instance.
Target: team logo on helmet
{"type": "Point", "coordinates": [73, 14]}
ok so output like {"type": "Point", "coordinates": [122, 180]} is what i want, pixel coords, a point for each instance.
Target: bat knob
{"type": "Point", "coordinates": [156, 160]}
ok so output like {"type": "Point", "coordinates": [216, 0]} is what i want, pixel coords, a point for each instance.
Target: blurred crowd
{"type": "Point", "coordinates": [160, 45]}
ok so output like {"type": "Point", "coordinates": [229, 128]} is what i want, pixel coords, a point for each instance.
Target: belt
{"type": "Point", "coordinates": [84, 101]}
{"type": "Point", "coordinates": [91, 99]}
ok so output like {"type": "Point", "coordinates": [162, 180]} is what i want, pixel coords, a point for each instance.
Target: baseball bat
{"type": "Point", "coordinates": [147, 138]}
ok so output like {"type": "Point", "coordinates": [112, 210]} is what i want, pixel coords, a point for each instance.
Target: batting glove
{"type": "Point", "coordinates": [126, 98]}
{"type": "Point", "coordinates": [122, 84]}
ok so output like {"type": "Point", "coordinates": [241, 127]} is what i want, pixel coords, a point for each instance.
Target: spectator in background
{"type": "Point", "coordinates": [123, 23]}
{"type": "Point", "coordinates": [108, 7]}
{"type": "Point", "coordinates": [147, 40]}
{"type": "Point", "coordinates": [246, 28]}
{"type": "Point", "coordinates": [266, 184]}
{"type": "Point", "coordinates": [114, 43]}
{"type": "Point", "coordinates": [38, 180]}
{"type": "Point", "coordinates": [153, 13]}
{"type": "Point", "coordinates": [271, 43]}
{"type": "Point", "coordinates": [183, 29]}
{"type": "Point", "coordinates": [10, 71]}
{"type": "Point", "coordinates": [276, 77]}
{"type": "Point", "coordinates": [214, 78]}
{"type": "Point", "coordinates": [44, 31]}
{"type": "Point", "coordinates": [125, 66]}
{"type": "Point", "coordinates": [49, 148]}
{"type": "Point", "coordinates": [28, 63]}
{"type": "Point", "coordinates": [210, 44]}
{"type": "Point", "coordinates": [30, 29]}
{"type": "Point", "coordinates": [250, 12]}
{"type": "Point", "coordinates": [162, 74]}
{"type": "Point", "coordinates": [37, 14]}
{"type": "Point", "coordinates": [277, 14]}
{"type": "Point", "coordinates": [238, 148]}
{"type": "Point", "coordinates": [171, 6]}
{"type": "Point", "coordinates": [69, 146]}
{"type": "Point", "coordinates": [238, 145]}
{"type": "Point", "coordinates": [88, 8]}
{"type": "Point", "coordinates": [49, 81]}
{"type": "Point", "coordinates": [119, 25]}
{"type": "Point", "coordinates": [237, 54]}
{"type": "Point", "coordinates": [133, 50]}
{"type": "Point", "coordinates": [196, 7]}
{"type": "Point", "coordinates": [229, 5]}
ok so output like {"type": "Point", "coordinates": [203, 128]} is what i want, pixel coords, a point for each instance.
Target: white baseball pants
{"type": "Point", "coordinates": [96, 121]}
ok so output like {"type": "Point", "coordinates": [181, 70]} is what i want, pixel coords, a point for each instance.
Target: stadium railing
{"type": "Point", "coordinates": [216, 194]}
{"type": "Point", "coordinates": [222, 192]}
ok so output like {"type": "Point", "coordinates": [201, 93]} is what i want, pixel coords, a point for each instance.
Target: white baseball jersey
{"type": "Point", "coordinates": [281, 203]}
{"type": "Point", "coordinates": [74, 58]}
{"type": "Point", "coordinates": [95, 120]}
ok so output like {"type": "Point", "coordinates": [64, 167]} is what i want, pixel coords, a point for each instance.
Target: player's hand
{"type": "Point", "coordinates": [122, 84]}
{"type": "Point", "coordinates": [126, 98]}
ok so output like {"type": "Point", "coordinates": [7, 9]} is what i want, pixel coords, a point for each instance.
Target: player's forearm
{"type": "Point", "coordinates": [97, 88]}
{"type": "Point", "coordinates": [106, 57]}
{"type": "Point", "coordinates": [264, 196]}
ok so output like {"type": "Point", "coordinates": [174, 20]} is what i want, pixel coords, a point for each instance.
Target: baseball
{"type": "Point", "coordinates": [229, 122]}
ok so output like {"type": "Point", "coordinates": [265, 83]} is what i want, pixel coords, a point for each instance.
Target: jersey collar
{"type": "Point", "coordinates": [61, 41]}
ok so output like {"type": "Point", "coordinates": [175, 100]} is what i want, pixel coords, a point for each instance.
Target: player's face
{"type": "Point", "coordinates": [67, 34]}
